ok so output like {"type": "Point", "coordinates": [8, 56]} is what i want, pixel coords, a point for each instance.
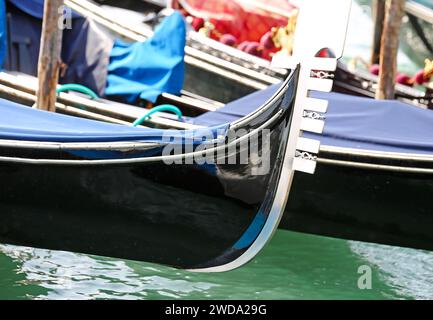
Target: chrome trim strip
{"type": "Point", "coordinates": [110, 146]}
{"type": "Point", "coordinates": [140, 160]}
{"type": "Point", "coordinates": [374, 166]}
{"type": "Point", "coordinates": [376, 154]}
{"type": "Point", "coordinates": [266, 106]}
{"type": "Point", "coordinates": [137, 145]}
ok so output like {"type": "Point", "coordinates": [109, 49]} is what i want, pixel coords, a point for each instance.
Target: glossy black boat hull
{"type": "Point", "coordinates": [140, 205]}
{"type": "Point", "coordinates": [374, 205]}
{"type": "Point", "coordinates": [120, 212]}
{"type": "Point", "coordinates": [391, 208]}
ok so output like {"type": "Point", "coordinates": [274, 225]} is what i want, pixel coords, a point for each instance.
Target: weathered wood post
{"type": "Point", "coordinates": [49, 55]}
{"type": "Point", "coordinates": [389, 49]}
{"type": "Point", "coordinates": [378, 19]}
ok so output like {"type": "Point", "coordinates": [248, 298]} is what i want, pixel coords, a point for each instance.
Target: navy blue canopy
{"type": "Point", "coordinates": [351, 122]}
{"type": "Point", "coordinates": [19, 122]}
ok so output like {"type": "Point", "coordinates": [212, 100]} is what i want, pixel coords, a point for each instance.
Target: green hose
{"type": "Point", "coordinates": [163, 107]}
{"type": "Point", "coordinates": [77, 88]}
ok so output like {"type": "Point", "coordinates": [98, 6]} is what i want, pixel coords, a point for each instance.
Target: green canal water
{"type": "Point", "coordinates": [293, 266]}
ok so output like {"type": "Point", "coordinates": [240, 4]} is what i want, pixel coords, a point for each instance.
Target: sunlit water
{"type": "Point", "coordinates": [293, 266]}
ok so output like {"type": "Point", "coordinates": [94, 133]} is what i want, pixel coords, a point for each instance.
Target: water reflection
{"type": "Point", "coordinates": [408, 271]}
{"type": "Point", "coordinates": [293, 266]}
{"type": "Point", "coordinates": [69, 275]}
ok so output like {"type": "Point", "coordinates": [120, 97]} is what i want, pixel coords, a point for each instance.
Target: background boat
{"type": "Point", "coordinates": [356, 157]}
{"type": "Point", "coordinates": [227, 62]}
{"type": "Point", "coordinates": [402, 167]}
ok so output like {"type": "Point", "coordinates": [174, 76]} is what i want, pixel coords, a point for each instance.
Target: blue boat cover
{"type": "Point", "coordinates": [144, 70]}
{"type": "Point", "coordinates": [18, 122]}
{"type": "Point", "coordinates": [3, 35]}
{"type": "Point", "coordinates": [351, 122]}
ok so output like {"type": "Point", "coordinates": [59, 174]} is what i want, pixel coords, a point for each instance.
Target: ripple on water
{"type": "Point", "coordinates": [69, 275]}
{"type": "Point", "coordinates": [408, 271]}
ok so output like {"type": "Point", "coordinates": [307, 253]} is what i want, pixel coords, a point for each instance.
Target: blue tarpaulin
{"type": "Point", "coordinates": [351, 122]}
{"type": "Point", "coordinates": [144, 70]}
{"type": "Point", "coordinates": [18, 122]}
{"type": "Point", "coordinates": [3, 35]}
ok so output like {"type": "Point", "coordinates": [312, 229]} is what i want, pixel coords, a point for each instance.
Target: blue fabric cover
{"type": "Point", "coordinates": [351, 122]}
{"type": "Point", "coordinates": [144, 70]}
{"type": "Point", "coordinates": [3, 35]}
{"type": "Point", "coordinates": [34, 8]}
{"type": "Point", "coordinates": [19, 122]}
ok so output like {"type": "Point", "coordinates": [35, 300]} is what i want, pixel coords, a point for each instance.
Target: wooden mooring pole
{"type": "Point", "coordinates": [389, 49]}
{"type": "Point", "coordinates": [49, 55]}
{"type": "Point", "coordinates": [378, 19]}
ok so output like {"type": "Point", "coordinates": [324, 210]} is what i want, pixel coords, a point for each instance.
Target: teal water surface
{"type": "Point", "coordinates": [293, 266]}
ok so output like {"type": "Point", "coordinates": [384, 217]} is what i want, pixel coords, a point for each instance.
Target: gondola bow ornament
{"type": "Point", "coordinates": [316, 73]}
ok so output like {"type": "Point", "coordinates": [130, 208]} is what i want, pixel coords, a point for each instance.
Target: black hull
{"type": "Point", "coordinates": [391, 208]}
{"type": "Point", "coordinates": [212, 217]}
{"type": "Point", "coordinates": [119, 212]}
{"type": "Point", "coordinates": [373, 205]}
{"type": "Point", "coordinates": [94, 210]}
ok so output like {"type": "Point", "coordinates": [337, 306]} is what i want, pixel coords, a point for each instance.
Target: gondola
{"type": "Point", "coordinates": [375, 166]}
{"type": "Point", "coordinates": [242, 72]}
{"type": "Point", "coordinates": [385, 179]}
{"type": "Point", "coordinates": [87, 186]}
